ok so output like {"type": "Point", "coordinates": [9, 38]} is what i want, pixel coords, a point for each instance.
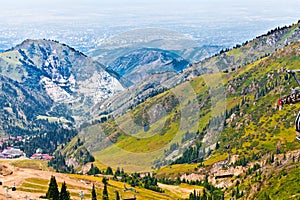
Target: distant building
{"type": "Point", "coordinates": [11, 152]}
{"type": "Point", "coordinates": [12, 138]}
{"type": "Point", "coordinates": [39, 151]}
{"type": "Point", "coordinates": [39, 156]}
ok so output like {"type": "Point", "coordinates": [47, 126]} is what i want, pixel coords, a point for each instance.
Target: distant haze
{"type": "Point", "coordinates": [141, 11]}
{"type": "Point", "coordinates": [22, 19]}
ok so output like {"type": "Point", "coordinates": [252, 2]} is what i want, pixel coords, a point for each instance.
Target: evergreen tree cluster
{"type": "Point", "coordinates": [59, 164]}
{"type": "Point", "coordinates": [53, 192]}
{"type": "Point", "coordinates": [150, 183]}
{"type": "Point", "coordinates": [94, 170]}
{"type": "Point", "coordinates": [213, 192]}
{"type": "Point", "coordinates": [78, 151]}
{"type": "Point", "coordinates": [205, 195]}
{"type": "Point", "coordinates": [191, 155]}
{"type": "Point", "coordinates": [64, 194]}
{"type": "Point", "coordinates": [48, 141]}
{"type": "Point", "coordinates": [146, 181]}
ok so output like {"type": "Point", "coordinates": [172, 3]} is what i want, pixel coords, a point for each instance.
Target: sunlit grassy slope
{"type": "Point", "coordinates": [32, 164]}
{"type": "Point", "coordinates": [255, 127]}
{"type": "Point", "coordinates": [251, 93]}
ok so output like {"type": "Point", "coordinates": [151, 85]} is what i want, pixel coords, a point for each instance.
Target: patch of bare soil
{"type": "Point", "coordinates": [4, 170]}
{"type": "Point", "coordinates": [17, 176]}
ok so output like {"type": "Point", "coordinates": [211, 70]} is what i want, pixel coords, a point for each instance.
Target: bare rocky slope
{"type": "Point", "coordinates": [42, 79]}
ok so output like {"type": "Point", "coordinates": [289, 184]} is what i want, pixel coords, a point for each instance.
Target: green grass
{"type": "Point", "coordinates": [284, 186]}
{"type": "Point", "coordinates": [37, 185]}
{"type": "Point", "coordinates": [141, 193]}
{"type": "Point", "coordinates": [216, 157]}
{"type": "Point", "coordinates": [134, 144]}
{"type": "Point", "coordinates": [32, 164]}
{"type": "Point", "coordinates": [172, 171]}
{"type": "Point", "coordinates": [32, 190]}
{"type": "Point", "coordinates": [277, 182]}
{"type": "Point", "coordinates": [53, 119]}
{"type": "Point", "coordinates": [34, 186]}
{"type": "Point", "coordinates": [12, 71]}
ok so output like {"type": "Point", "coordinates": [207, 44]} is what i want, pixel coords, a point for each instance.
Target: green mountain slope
{"type": "Point", "coordinates": [255, 132]}
{"type": "Point", "coordinates": [155, 132]}
{"type": "Point", "coordinates": [157, 126]}
{"type": "Point", "coordinates": [226, 60]}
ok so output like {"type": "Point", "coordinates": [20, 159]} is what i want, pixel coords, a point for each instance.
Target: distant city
{"type": "Point", "coordinates": [87, 39]}
{"type": "Point", "coordinates": [87, 26]}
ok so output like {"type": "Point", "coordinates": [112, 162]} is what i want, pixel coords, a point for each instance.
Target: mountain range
{"type": "Point", "coordinates": [141, 63]}
{"type": "Point", "coordinates": [145, 122]}
{"type": "Point", "coordinates": [43, 79]}
{"type": "Point", "coordinates": [151, 110]}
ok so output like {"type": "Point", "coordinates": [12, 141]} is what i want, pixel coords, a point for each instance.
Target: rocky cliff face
{"type": "Point", "coordinates": [55, 75]}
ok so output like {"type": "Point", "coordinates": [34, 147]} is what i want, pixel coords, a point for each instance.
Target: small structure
{"type": "Point", "coordinates": [39, 151]}
{"type": "Point", "coordinates": [11, 152]}
{"type": "Point", "coordinates": [12, 138]}
{"type": "Point", "coordinates": [39, 156]}
{"type": "Point", "coordinates": [5, 139]}
{"type": "Point", "coordinates": [13, 188]}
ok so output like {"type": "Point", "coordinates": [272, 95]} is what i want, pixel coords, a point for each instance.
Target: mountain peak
{"type": "Point", "coordinates": [66, 75]}
{"type": "Point", "coordinates": [46, 43]}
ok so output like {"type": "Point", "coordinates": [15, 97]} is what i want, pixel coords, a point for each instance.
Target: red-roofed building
{"type": "Point", "coordinates": [39, 156]}
{"type": "Point", "coordinates": [12, 138]}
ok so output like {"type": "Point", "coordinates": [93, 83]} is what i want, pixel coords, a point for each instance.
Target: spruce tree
{"type": "Point", "coordinates": [105, 192]}
{"type": "Point", "coordinates": [94, 195]}
{"type": "Point", "coordinates": [64, 194]}
{"type": "Point", "coordinates": [52, 192]}
{"type": "Point", "coordinates": [109, 171]}
{"type": "Point", "coordinates": [117, 195]}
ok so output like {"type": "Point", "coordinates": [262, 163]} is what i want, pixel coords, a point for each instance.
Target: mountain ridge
{"type": "Point", "coordinates": [139, 64]}
{"type": "Point", "coordinates": [227, 60]}
{"type": "Point", "coordinates": [66, 78]}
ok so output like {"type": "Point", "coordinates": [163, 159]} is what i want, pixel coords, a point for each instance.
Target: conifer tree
{"type": "Point", "coordinates": [53, 192]}
{"type": "Point", "coordinates": [105, 192]}
{"type": "Point", "coordinates": [117, 195]}
{"type": "Point", "coordinates": [109, 171]}
{"type": "Point", "coordinates": [94, 195]}
{"type": "Point", "coordinates": [64, 194]}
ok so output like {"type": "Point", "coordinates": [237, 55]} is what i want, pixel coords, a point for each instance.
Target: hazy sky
{"type": "Point", "coordinates": [207, 19]}
{"type": "Point", "coordinates": [21, 11]}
